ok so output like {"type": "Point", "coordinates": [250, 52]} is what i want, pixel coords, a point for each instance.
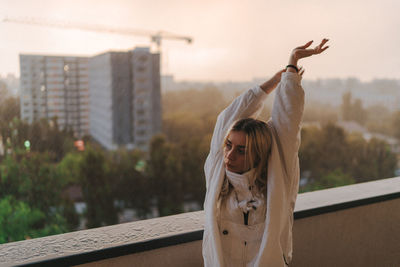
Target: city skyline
{"type": "Point", "coordinates": [227, 41]}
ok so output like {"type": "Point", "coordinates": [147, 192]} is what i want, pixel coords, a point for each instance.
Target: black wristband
{"type": "Point", "coordinates": [293, 66]}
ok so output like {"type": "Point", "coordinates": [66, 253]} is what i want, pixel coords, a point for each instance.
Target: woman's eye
{"type": "Point", "coordinates": [228, 146]}
{"type": "Point", "coordinates": [241, 152]}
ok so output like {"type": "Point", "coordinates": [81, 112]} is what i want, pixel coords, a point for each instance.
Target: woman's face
{"type": "Point", "coordinates": [234, 152]}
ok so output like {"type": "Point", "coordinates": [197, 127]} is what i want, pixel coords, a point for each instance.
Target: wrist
{"type": "Point", "coordinates": [269, 86]}
{"type": "Point", "coordinates": [293, 59]}
{"type": "Point", "coordinates": [292, 68]}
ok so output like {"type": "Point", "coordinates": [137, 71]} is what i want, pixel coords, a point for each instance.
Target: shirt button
{"type": "Point", "coordinates": [225, 232]}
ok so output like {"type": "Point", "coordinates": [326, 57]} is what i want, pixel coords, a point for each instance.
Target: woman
{"type": "Point", "coordinates": [252, 173]}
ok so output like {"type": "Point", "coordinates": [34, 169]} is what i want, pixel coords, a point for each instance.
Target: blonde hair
{"type": "Point", "coordinates": [258, 149]}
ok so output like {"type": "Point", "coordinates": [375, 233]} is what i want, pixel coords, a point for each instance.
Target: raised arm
{"type": "Point", "coordinates": [288, 105]}
{"type": "Point", "coordinates": [247, 105]}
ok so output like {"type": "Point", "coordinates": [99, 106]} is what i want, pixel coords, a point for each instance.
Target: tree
{"type": "Point", "coordinates": [353, 110]}
{"type": "Point", "coordinates": [346, 107]}
{"type": "Point", "coordinates": [329, 149]}
{"type": "Point", "coordinates": [379, 119]}
{"type": "Point", "coordinates": [131, 184]}
{"type": "Point", "coordinates": [332, 179]}
{"type": "Point", "coordinates": [18, 221]}
{"type": "Point", "coordinates": [68, 168]}
{"type": "Point", "coordinates": [165, 175]}
{"type": "Point", "coordinates": [193, 154]}
{"type": "Point", "coordinates": [97, 189]}
{"type": "Point", "coordinates": [323, 150]}
{"type": "Point", "coordinates": [396, 124]}
{"type": "Point", "coordinates": [32, 178]}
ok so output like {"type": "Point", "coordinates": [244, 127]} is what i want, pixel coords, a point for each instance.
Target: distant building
{"type": "Point", "coordinates": [125, 98]}
{"type": "Point", "coordinates": [55, 86]}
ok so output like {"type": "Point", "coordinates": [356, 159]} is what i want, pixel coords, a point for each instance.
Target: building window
{"type": "Point", "coordinates": [143, 58]}
{"type": "Point", "coordinates": [141, 132]}
{"type": "Point", "coordinates": [141, 122]}
{"type": "Point", "coordinates": [140, 69]}
{"type": "Point", "coordinates": [142, 80]}
{"type": "Point", "coordinates": [141, 143]}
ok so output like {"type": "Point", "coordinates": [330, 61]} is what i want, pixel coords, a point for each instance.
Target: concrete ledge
{"type": "Point", "coordinates": [136, 237]}
{"type": "Point", "coordinates": [104, 242]}
{"type": "Point", "coordinates": [344, 197]}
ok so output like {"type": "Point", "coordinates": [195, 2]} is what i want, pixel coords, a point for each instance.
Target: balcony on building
{"type": "Point", "coordinates": [354, 225]}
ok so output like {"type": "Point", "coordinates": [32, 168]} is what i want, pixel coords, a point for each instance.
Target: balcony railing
{"type": "Point", "coordinates": [355, 225]}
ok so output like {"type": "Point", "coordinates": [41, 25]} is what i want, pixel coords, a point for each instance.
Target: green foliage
{"type": "Point", "coordinates": [332, 179]}
{"type": "Point", "coordinates": [188, 122]}
{"type": "Point", "coordinates": [32, 178]}
{"type": "Point", "coordinates": [9, 109]}
{"type": "Point", "coordinates": [130, 183]}
{"type": "Point", "coordinates": [193, 155]}
{"type": "Point", "coordinates": [43, 136]}
{"type": "Point", "coordinates": [353, 110]}
{"type": "Point", "coordinates": [395, 123]}
{"type": "Point", "coordinates": [68, 168]}
{"type": "Point", "coordinates": [18, 221]}
{"type": "Point", "coordinates": [322, 151]}
{"type": "Point", "coordinates": [379, 120]}
{"type": "Point", "coordinates": [97, 189]}
{"type": "Point", "coordinates": [165, 175]}
{"type": "Point", "coordinates": [329, 149]}
{"type": "Point", "coordinates": [31, 190]}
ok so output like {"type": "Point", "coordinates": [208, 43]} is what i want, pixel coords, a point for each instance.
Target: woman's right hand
{"type": "Point", "coordinates": [302, 51]}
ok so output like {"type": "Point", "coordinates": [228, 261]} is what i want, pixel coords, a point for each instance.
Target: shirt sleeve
{"type": "Point", "coordinates": [286, 116]}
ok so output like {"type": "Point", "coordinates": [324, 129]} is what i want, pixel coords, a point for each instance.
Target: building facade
{"type": "Point", "coordinates": [56, 87]}
{"type": "Point", "coordinates": [125, 98]}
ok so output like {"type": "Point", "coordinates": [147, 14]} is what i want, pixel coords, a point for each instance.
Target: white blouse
{"type": "Point", "coordinates": [241, 234]}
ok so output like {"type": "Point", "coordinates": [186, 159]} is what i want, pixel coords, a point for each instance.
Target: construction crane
{"type": "Point", "coordinates": [155, 37]}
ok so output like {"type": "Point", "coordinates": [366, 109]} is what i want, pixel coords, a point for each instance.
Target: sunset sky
{"type": "Point", "coordinates": [233, 40]}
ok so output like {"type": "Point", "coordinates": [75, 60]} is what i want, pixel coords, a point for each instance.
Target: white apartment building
{"type": "Point", "coordinates": [56, 87]}
{"type": "Point", "coordinates": [125, 98]}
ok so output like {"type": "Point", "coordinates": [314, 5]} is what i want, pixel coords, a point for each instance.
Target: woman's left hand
{"type": "Point", "coordinates": [302, 51]}
{"type": "Point", "coordinates": [270, 85]}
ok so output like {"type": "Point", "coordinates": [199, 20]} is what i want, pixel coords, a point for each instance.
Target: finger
{"type": "Point", "coordinates": [305, 46]}
{"type": "Point", "coordinates": [323, 42]}
{"type": "Point", "coordinates": [323, 49]}
{"type": "Point", "coordinates": [301, 72]}
{"type": "Point", "coordinates": [319, 50]}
